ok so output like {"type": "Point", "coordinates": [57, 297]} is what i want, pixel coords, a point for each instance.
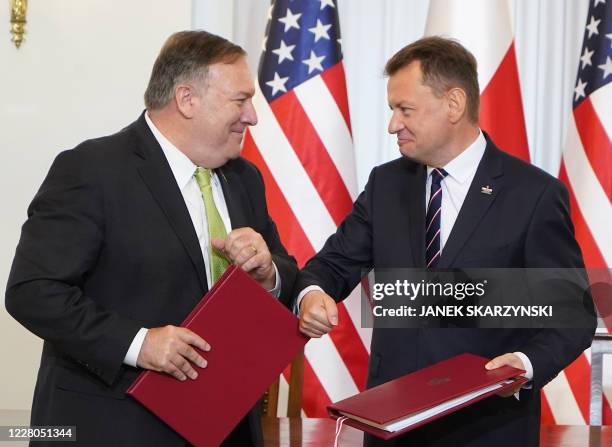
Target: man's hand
{"type": "Point", "coordinates": [248, 250]}
{"type": "Point", "coordinates": [510, 360]}
{"type": "Point", "coordinates": [169, 349]}
{"type": "Point", "coordinates": [318, 314]}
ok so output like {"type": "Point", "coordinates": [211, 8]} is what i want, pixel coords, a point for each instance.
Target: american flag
{"type": "Point", "coordinates": [303, 147]}
{"type": "Point", "coordinates": [586, 169]}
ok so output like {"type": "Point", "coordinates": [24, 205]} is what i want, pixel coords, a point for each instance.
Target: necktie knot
{"type": "Point", "coordinates": [437, 175]}
{"type": "Point", "coordinates": [202, 176]}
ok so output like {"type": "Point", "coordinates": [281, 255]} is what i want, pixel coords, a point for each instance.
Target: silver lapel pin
{"type": "Point", "coordinates": [486, 190]}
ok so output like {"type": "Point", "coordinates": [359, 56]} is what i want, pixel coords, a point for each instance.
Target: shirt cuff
{"type": "Point", "coordinates": [131, 358]}
{"type": "Point", "coordinates": [527, 363]}
{"type": "Point", "coordinates": [296, 307]}
{"type": "Point", "coordinates": [528, 372]}
{"type": "Point", "coordinates": [275, 291]}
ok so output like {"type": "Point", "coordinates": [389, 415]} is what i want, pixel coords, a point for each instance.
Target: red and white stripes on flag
{"type": "Point", "coordinates": [303, 147]}
{"type": "Point", "coordinates": [586, 169]}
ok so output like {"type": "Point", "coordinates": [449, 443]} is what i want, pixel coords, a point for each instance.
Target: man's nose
{"type": "Point", "coordinates": [249, 115]}
{"type": "Point", "coordinates": [395, 124]}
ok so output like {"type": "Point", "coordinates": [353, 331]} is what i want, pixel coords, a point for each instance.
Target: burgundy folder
{"type": "Point", "coordinates": [252, 337]}
{"type": "Point", "coordinates": [423, 390]}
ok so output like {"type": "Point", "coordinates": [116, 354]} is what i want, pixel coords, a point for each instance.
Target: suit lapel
{"type": "Point", "coordinates": [235, 195]}
{"type": "Point", "coordinates": [415, 192]}
{"type": "Point", "coordinates": [485, 187]}
{"type": "Point", "coordinates": [157, 175]}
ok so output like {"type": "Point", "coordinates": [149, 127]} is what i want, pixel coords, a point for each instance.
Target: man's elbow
{"type": "Point", "coordinates": [15, 302]}
{"type": "Point", "coordinates": [586, 338]}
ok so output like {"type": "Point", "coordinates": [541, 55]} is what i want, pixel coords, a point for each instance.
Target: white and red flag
{"type": "Point", "coordinates": [303, 147]}
{"type": "Point", "coordinates": [485, 28]}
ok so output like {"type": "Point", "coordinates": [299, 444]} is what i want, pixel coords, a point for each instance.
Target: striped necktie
{"type": "Point", "coordinates": [216, 229]}
{"type": "Point", "coordinates": [432, 219]}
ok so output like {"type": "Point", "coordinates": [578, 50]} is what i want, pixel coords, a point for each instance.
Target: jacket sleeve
{"type": "Point", "coordinates": [340, 264]}
{"type": "Point", "coordinates": [550, 243]}
{"type": "Point", "coordinates": [58, 248]}
{"type": "Point", "coordinates": [285, 263]}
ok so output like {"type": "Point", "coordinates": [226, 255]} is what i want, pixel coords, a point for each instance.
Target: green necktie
{"type": "Point", "coordinates": [216, 229]}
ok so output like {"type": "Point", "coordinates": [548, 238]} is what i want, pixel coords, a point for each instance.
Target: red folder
{"type": "Point", "coordinates": [423, 390]}
{"type": "Point", "coordinates": [253, 337]}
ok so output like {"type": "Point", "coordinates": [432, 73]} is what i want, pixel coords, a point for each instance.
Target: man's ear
{"type": "Point", "coordinates": [457, 104]}
{"type": "Point", "coordinates": [185, 98]}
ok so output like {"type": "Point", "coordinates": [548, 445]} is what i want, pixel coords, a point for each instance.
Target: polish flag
{"type": "Point", "coordinates": [485, 28]}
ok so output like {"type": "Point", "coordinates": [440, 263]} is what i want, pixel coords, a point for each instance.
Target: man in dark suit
{"type": "Point", "coordinates": [453, 200]}
{"type": "Point", "coordinates": [126, 234]}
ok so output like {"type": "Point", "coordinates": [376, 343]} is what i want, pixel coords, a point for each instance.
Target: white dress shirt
{"type": "Point", "coordinates": [455, 186]}
{"type": "Point", "coordinates": [183, 169]}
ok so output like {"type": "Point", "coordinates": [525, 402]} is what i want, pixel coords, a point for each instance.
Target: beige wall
{"type": "Point", "coordinates": [80, 73]}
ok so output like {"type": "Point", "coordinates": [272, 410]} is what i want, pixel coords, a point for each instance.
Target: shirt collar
{"type": "Point", "coordinates": [182, 167]}
{"type": "Point", "coordinates": [463, 165]}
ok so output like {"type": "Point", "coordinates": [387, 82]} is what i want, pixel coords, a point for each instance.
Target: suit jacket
{"type": "Point", "coordinates": [524, 222]}
{"type": "Point", "coordinates": [108, 248]}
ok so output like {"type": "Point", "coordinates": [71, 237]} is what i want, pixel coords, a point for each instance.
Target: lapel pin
{"type": "Point", "coordinates": [486, 190]}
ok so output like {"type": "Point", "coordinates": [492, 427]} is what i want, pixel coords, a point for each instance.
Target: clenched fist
{"type": "Point", "coordinates": [247, 249]}
{"type": "Point", "coordinates": [318, 314]}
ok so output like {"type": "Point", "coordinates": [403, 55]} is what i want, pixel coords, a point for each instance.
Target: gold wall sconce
{"type": "Point", "coordinates": [19, 9]}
